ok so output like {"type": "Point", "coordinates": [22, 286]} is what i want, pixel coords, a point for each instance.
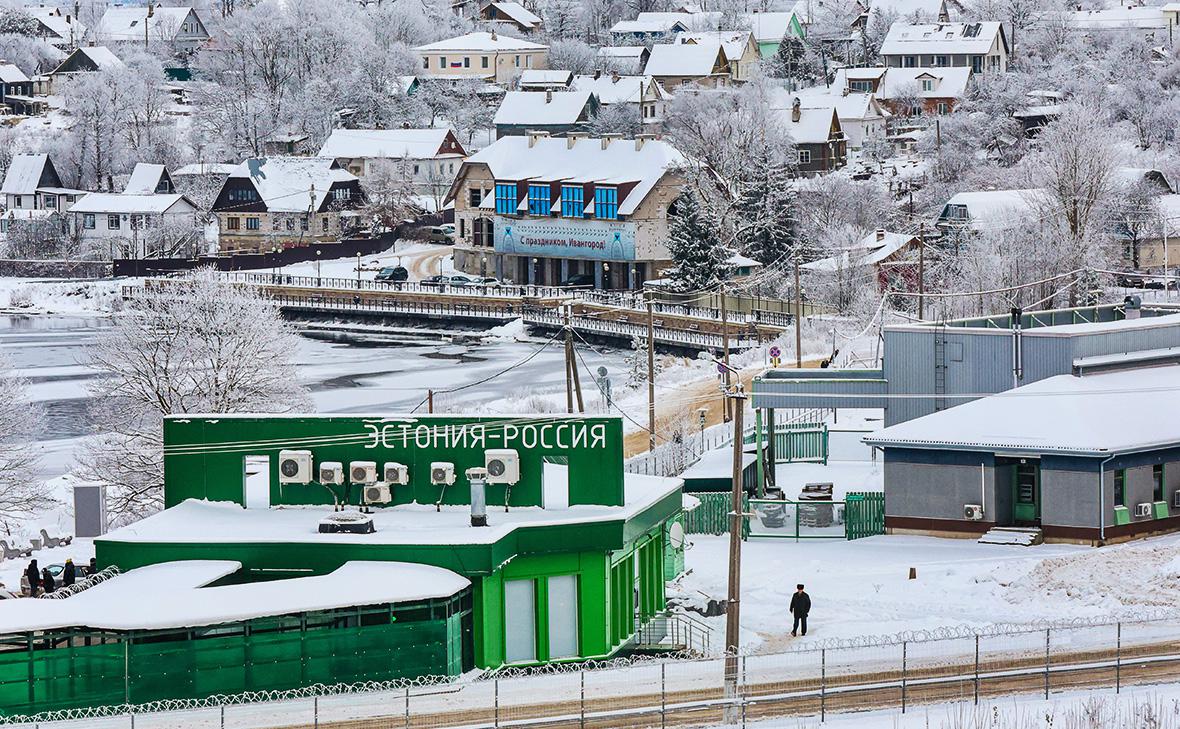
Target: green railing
{"type": "Point", "coordinates": [797, 442]}
{"type": "Point", "coordinates": [861, 515]}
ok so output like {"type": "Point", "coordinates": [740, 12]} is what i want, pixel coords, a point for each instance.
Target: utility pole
{"type": "Point", "coordinates": [733, 597]}
{"type": "Point", "coordinates": [921, 270]}
{"type": "Point", "coordinates": [651, 377]}
{"type": "Point", "coordinates": [728, 415]}
{"type": "Point", "coordinates": [430, 401]}
{"type": "Point", "coordinates": [798, 317]}
{"type": "Point", "coordinates": [569, 365]}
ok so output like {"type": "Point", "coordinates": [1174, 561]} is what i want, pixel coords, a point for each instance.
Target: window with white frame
{"type": "Point", "coordinates": [805, 156]}
{"type": "Point", "coordinates": [112, 222]}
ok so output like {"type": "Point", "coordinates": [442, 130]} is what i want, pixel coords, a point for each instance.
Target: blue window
{"type": "Point", "coordinates": [606, 203]}
{"type": "Point", "coordinates": [506, 198]}
{"type": "Point", "coordinates": [572, 203]}
{"type": "Point", "coordinates": [539, 203]}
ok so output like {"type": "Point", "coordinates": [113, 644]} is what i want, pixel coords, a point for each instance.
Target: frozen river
{"type": "Point", "coordinates": [388, 371]}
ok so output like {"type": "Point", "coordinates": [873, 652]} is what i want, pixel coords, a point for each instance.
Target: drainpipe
{"type": "Point", "coordinates": [1102, 499]}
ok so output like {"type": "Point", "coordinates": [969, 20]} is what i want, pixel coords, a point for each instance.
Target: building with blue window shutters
{"type": "Point", "coordinates": [576, 210]}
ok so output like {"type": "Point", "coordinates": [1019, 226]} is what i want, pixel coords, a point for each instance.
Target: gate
{"type": "Point", "coordinates": [864, 514]}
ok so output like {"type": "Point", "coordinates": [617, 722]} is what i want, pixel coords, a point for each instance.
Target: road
{"type": "Point", "coordinates": [426, 262]}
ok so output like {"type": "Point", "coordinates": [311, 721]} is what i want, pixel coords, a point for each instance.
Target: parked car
{"type": "Point", "coordinates": [392, 274]}
{"type": "Point", "coordinates": [444, 234]}
{"type": "Point", "coordinates": [579, 279]}
{"type": "Point", "coordinates": [454, 280]}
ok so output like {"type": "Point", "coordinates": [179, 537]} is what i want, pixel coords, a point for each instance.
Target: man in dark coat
{"type": "Point", "coordinates": [47, 582]}
{"type": "Point", "coordinates": [800, 606]}
{"type": "Point", "coordinates": [68, 574]}
{"type": "Point", "coordinates": [33, 575]}
{"type": "Point", "coordinates": [93, 567]}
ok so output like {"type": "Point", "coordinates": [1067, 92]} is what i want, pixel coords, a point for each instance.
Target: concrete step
{"type": "Point", "coordinates": [1017, 536]}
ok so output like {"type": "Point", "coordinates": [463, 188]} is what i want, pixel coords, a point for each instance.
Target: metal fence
{"type": "Point", "coordinates": [861, 515]}
{"type": "Point", "coordinates": [897, 673]}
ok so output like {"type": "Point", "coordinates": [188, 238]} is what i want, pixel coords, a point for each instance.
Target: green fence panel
{"type": "Point", "coordinates": [864, 514]}
{"type": "Point", "coordinates": [795, 442]}
{"type": "Point", "coordinates": [712, 516]}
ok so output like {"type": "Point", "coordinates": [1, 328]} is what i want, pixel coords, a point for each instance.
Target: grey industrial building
{"type": "Point", "coordinates": [929, 367]}
{"type": "Point", "coordinates": [1019, 420]}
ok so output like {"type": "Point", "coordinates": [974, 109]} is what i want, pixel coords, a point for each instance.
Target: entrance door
{"type": "Point", "coordinates": [256, 482]}
{"type": "Point", "coordinates": [1026, 492]}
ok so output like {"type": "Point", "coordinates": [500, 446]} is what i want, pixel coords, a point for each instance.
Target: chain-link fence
{"type": "Point", "coordinates": [898, 673]}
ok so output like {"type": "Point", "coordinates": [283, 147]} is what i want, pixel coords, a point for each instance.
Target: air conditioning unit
{"type": "Point", "coordinates": [1142, 509]}
{"type": "Point", "coordinates": [377, 494]}
{"type": "Point", "coordinates": [331, 473]}
{"type": "Point", "coordinates": [396, 474]}
{"type": "Point", "coordinates": [503, 465]}
{"type": "Point", "coordinates": [362, 472]}
{"type": "Point", "coordinates": [442, 473]}
{"type": "Point", "coordinates": [1176, 500]}
{"type": "Point", "coordinates": [296, 467]}
{"type": "Point", "coordinates": [973, 512]}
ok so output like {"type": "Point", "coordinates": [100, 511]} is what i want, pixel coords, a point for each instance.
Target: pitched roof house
{"type": "Point", "coordinates": [739, 46]}
{"type": "Point", "coordinates": [84, 59]}
{"type": "Point", "coordinates": [110, 220]}
{"type": "Point", "coordinates": [818, 136]}
{"type": "Point", "coordinates": [861, 115]}
{"type": "Point", "coordinates": [555, 112]}
{"type": "Point", "coordinates": [681, 64]}
{"type": "Point", "coordinates": [61, 30]}
{"type": "Point", "coordinates": [511, 13]}
{"type": "Point", "coordinates": [145, 25]}
{"type": "Point", "coordinates": [430, 157]}
{"type": "Point", "coordinates": [489, 56]}
{"type": "Point", "coordinates": [149, 179]}
{"type": "Point", "coordinates": [273, 201]}
{"type": "Point", "coordinates": [545, 80]}
{"type": "Point", "coordinates": [643, 91]}
{"type": "Point", "coordinates": [26, 173]}
{"type": "Point", "coordinates": [988, 210]}
{"type": "Point", "coordinates": [623, 59]}
{"type": "Point", "coordinates": [16, 92]}
{"type": "Point", "coordinates": [772, 29]}
{"type": "Point", "coordinates": [908, 91]}
{"type": "Point", "coordinates": [981, 47]}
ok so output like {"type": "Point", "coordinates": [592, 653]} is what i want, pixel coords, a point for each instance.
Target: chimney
{"type": "Point", "coordinates": [642, 139]}
{"type": "Point", "coordinates": [571, 138]}
{"type": "Point", "coordinates": [614, 77]}
{"type": "Point", "coordinates": [880, 234]}
{"type": "Point", "coordinates": [494, 34]}
{"type": "Point", "coordinates": [534, 136]}
{"type": "Point", "coordinates": [608, 138]}
{"type": "Point", "coordinates": [796, 109]}
{"type": "Point", "coordinates": [548, 96]}
{"type": "Point", "coordinates": [597, 73]}
{"type": "Point", "coordinates": [477, 477]}
{"type": "Point", "coordinates": [1131, 306]}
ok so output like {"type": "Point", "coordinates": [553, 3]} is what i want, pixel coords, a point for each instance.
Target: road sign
{"type": "Point", "coordinates": [775, 352]}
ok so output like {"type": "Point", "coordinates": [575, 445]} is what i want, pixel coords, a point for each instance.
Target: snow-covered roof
{"type": "Point", "coordinates": [205, 168]}
{"type": "Point", "coordinates": [519, 14]}
{"type": "Point", "coordinates": [386, 144]}
{"type": "Point", "coordinates": [543, 108]}
{"type": "Point", "coordinates": [693, 60]}
{"type": "Point", "coordinates": [612, 89]}
{"type": "Point", "coordinates": [769, 27]}
{"type": "Point", "coordinates": [1116, 18]}
{"type": "Point", "coordinates": [633, 52]}
{"type": "Point", "coordinates": [716, 464]}
{"type": "Point", "coordinates": [285, 183]}
{"type": "Point", "coordinates": [554, 159]}
{"type": "Point", "coordinates": [874, 248]}
{"type": "Point", "coordinates": [946, 82]}
{"type": "Point", "coordinates": [997, 209]}
{"type": "Point", "coordinates": [660, 24]}
{"type": "Point", "coordinates": [145, 178]}
{"type": "Point", "coordinates": [10, 74]}
{"type": "Point", "coordinates": [814, 125]}
{"type": "Point", "coordinates": [734, 42]}
{"type": "Point", "coordinates": [1062, 414]}
{"type": "Point", "coordinates": [852, 106]}
{"type": "Point", "coordinates": [177, 595]}
{"type": "Point", "coordinates": [948, 38]}
{"type": "Point", "coordinates": [24, 174]}
{"type": "Point", "coordinates": [127, 23]}
{"type": "Point", "coordinates": [481, 42]}
{"type": "Point", "coordinates": [101, 56]}
{"type": "Point", "coordinates": [117, 202]}
{"type": "Point", "coordinates": [923, 10]}
{"type": "Point", "coordinates": [225, 522]}
{"type": "Point", "coordinates": [545, 78]}
{"type": "Point", "coordinates": [61, 25]}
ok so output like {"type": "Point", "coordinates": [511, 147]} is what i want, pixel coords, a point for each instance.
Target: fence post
{"type": "Point", "coordinates": [1118, 657]}
{"type": "Point", "coordinates": [407, 707]}
{"type": "Point", "coordinates": [1047, 663]}
{"type": "Point", "coordinates": [223, 716]}
{"type": "Point", "coordinates": [977, 669]}
{"type": "Point", "coordinates": [496, 702]}
{"type": "Point", "coordinates": [823, 683]}
{"type": "Point", "coordinates": [904, 649]}
{"type": "Point", "coordinates": [582, 722]}
{"type": "Point", "coordinates": [663, 694]}
{"type": "Point", "coordinates": [315, 707]}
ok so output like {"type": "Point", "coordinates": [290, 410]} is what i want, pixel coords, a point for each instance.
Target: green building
{"type": "Point", "coordinates": [235, 587]}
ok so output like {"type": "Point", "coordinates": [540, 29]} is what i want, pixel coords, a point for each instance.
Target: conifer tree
{"type": "Point", "coordinates": [701, 259]}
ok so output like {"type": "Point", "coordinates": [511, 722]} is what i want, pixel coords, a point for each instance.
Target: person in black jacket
{"type": "Point", "coordinates": [68, 574]}
{"type": "Point", "coordinates": [34, 577]}
{"type": "Point", "coordinates": [47, 582]}
{"type": "Point", "coordinates": [800, 606]}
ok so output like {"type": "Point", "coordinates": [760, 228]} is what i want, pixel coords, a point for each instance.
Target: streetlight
{"type": "Point", "coordinates": [606, 275]}
{"type": "Point", "coordinates": [358, 269]}
{"type": "Point", "coordinates": [317, 268]}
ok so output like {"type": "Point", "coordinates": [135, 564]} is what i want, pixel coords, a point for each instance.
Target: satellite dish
{"type": "Point", "coordinates": [676, 535]}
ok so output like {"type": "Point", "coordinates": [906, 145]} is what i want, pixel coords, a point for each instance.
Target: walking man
{"type": "Point", "coordinates": [800, 606]}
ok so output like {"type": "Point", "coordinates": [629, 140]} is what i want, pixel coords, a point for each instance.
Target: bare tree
{"type": "Point", "coordinates": [198, 346]}
{"type": "Point", "coordinates": [22, 493]}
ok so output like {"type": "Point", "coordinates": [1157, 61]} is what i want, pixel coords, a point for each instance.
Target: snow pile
{"type": "Point", "coordinates": [510, 332]}
{"type": "Point", "coordinates": [37, 296]}
{"type": "Point", "coordinates": [1113, 578]}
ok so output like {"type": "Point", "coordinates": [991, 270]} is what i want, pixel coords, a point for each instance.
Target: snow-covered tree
{"type": "Point", "coordinates": [572, 55]}
{"type": "Point", "coordinates": [700, 256]}
{"type": "Point", "coordinates": [637, 363]}
{"type": "Point", "coordinates": [200, 346]}
{"type": "Point", "coordinates": [15, 21]}
{"type": "Point", "coordinates": [22, 492]}
{"type": "Point", "coordinates": [617, 119]}
{"type": "Point", "coordinates": [389, 195]}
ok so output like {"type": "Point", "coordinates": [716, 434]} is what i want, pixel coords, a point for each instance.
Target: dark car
{"type": "Point", "coordinates": [579, 279]}
{"type": "Point", "coordinates": [392, 274]}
